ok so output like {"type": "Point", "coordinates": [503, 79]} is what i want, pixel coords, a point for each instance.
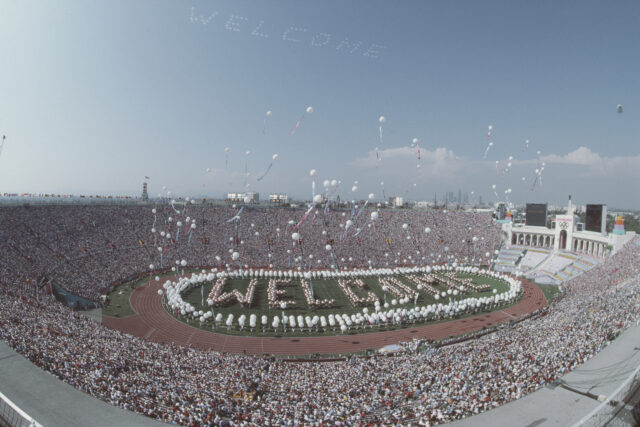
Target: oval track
{"type": "Point", "coordinates": [153, 323]}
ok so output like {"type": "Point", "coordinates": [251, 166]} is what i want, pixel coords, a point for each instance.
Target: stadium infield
{"type": "Point", "coordinates": [152, 322]}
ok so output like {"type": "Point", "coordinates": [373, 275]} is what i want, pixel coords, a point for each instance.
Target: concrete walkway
{"type": "Point", "coordinates": [51, 402]}
{"type": "Point", "coordinates": [557, 406]}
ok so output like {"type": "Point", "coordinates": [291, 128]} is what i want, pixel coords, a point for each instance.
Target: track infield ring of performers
{"type": "Point", "coordinates": [155, 321]}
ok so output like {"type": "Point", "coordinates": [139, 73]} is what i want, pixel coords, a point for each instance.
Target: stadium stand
{"type": "Point", "coordinates": [194, 387]}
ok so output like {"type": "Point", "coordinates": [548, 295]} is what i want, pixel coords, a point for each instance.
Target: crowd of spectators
{"type": "Point", "coordinates": [86, 249]}
{"type": "Point", "coordinates": [195, 387]}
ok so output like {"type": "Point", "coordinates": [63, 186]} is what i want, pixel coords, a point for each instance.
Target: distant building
{"type": "Point", "coordinates": [145, 195]}
{"type": "Point", "coordinates": [248, 197]}
{"type": "Point", "coordinates": [278, 198]}
{"type": "Point", "coordinates": [253, 196]}
{"type": "Point", "coordinates": [235, 197]}
{"type": "Point", "coordinates": [398, 202]}
{"type": "Point", "coordinates": [501, 210]}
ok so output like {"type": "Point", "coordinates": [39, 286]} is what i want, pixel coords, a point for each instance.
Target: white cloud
{"type": "Point", "coordinates": [439, 163]}
{"type": "Point", "coordinates": [597, 164]}
{"type": "Point", "coordinates": [581, 172]}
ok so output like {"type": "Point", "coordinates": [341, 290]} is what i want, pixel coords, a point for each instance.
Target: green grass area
{"type": "Point", "coordinates": [119, 305]}
{"type": "Point", "coordinates": [550, 291]}
{"type": "Point", "coordinates": [322, 289]}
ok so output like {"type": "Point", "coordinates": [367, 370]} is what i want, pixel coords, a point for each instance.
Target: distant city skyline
{"type": "Point", "coordinates": [96, 96]}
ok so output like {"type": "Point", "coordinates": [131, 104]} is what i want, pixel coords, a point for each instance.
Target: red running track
{"type": "Point", "coordinates": [153, 323]}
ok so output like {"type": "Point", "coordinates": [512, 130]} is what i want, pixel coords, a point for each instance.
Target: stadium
{"type": "Point", "coordinates": [336, 213]}
{"type": "Point", "coordinates": [86, 255]}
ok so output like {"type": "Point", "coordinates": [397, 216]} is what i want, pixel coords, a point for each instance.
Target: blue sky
{"type": "Point", "coordinates": [96, 95]}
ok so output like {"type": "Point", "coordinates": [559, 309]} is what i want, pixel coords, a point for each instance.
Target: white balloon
{"type": "Point", "coordinates": [371, 196]}
{"type": "Point", "coordinates": [354, 188]}
{"type": "Point", "coordinates": [295, 236]}
{"type": "Point", "coordinates": [382, 119]}
{"type": "Point", "coordinates": [235, 256]}
{"type": "Point", "coordinates": [227, 149]}
{"type": "Point", "coordinates": [309, 109]}
{"type": "Point", "coordinates": [269, 113]}
{"type": "Point", "coordinates": [415, 140]}
{"type": "Point", "coordinates": [312, 172]}
{"type": "Point", "coordinates": [317, 198]}
{"type": "Point", "coordinates": [275, 157]}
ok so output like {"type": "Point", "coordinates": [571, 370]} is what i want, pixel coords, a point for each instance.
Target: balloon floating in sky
{"type": "Point", "coordinates": [264, 126]}
{"type": "Point", "coordinates": [4, 137]}
{"type": "Point", "coordinates": [490, 143]}
{"type": "Point", "coordinates": [619, 108]}
{"type": "Point", "coordinates": [309, 110]}
{"type": "Point", "coordinates": [381, 120]}
{"type": "Point", "coordinates": [274, 158]}
{"type": "Point", "coordinates": [312, 172]}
